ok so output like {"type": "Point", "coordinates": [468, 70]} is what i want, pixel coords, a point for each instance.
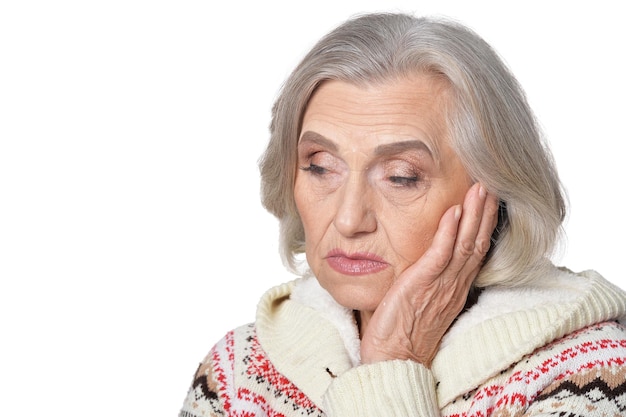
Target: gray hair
{"type": "Point", "coordinates": [492, 128]}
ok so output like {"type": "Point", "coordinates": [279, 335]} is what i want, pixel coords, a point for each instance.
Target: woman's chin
{"type": "Point", "coordinates": [356, 297]}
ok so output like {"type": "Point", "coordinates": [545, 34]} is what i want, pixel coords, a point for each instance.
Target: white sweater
{"type": "Point", "coordinates": [530, 350]}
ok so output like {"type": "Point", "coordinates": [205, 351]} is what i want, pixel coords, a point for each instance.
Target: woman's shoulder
{"type": "Point", "coordinates": [223, 354]}
{"type": "Point", "coordinates": [584, 370]}
{"type": "Point", "coordinates": [237, 374]}
{"type": "Point", "coordinates": [242, 342]}
{"type": "Point", "coordinates": [508, 324]}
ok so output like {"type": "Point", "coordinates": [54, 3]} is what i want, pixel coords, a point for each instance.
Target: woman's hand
{"type": "Point", "coordinates": [422, 304]}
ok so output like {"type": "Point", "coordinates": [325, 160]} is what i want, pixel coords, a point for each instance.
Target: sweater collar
{"type": "Point", "coordinates": [301, 341]}
{"type": "Point", "coordinates": [310, 338]}
{"type": "Point", "coordinates": [508, 323]}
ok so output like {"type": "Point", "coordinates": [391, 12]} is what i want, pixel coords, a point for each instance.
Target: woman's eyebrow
{"type": "Point", "coordinates": [381, 150]}
{"type": "Point", "coordinates": [398, 147]}
{"type": "Point", "coordinates": [313, 137]}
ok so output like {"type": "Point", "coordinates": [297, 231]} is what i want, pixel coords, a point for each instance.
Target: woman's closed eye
{"type": "Point", "coordinates": [400, 173]}
{"type": "Point", "coordinates": [324, 170]}
{"type": "Point", "coordinates": [404, 181]}
{"type": "Point", "coordinates": [314, 169]}
{"type": "Point", "coordinates": [401, 182]}
{"type": "Point", "coordinates": [319, 163]}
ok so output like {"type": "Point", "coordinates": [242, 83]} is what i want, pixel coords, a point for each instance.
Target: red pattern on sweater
{"type": "Point", "coordinates": [220, 371]}
{"type": "Point", "coordinates": [242, 401]}
{"type": "Point", "coordinates": [261, 368]}
{"type": "Point", "coordinates": [529, 383]}
{"type": "Point", "coordinates": [523, 387]}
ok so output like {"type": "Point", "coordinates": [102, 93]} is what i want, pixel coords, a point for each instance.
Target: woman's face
{"type": "Point", "coordinates": [375, 174]}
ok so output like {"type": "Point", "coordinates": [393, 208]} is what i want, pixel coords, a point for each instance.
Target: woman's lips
{"type": "Point", "coordinates": [355, 263]}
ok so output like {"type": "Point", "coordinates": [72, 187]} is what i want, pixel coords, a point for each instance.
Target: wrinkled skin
{"type": "Point", "coordinates": [395, 228]}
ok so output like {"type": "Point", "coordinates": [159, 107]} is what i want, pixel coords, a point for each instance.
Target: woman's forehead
{"type": "Point", "coordinates": [408, 109]}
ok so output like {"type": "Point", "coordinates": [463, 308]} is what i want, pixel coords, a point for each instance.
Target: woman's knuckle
{"type": "Point", "coordinates": [482, 246]}
{"type": "Point", "coordinates": [465, 248]}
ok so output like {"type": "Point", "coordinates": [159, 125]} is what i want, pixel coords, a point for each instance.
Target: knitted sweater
{"type": "Point", "coordinates": [556, 348]}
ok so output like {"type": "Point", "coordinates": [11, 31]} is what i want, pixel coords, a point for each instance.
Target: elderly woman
{"type": "Point", "coordinates": [404, 161]}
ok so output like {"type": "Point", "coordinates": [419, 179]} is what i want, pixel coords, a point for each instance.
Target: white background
{"type": "Point", "coordinates": [131, 233]}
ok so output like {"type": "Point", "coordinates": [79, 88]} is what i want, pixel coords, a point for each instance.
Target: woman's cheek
{"type": "Point", "coordinates": [409, 230]}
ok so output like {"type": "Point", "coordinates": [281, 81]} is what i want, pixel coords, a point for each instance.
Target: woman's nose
{"type": "Point", "coordinates": [355, 209]}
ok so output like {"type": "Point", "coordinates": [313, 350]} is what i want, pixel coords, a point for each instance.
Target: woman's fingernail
{"type": "Point", "coordinates": [457, 212]}
{"type": "Point", "coordinates": [482, 192]}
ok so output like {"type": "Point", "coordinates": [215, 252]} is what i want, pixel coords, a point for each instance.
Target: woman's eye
{"type": "Point", "coordinates": [404, 181]}
{"type": "Point", "coordinates": [401, 172]}
{"type": "Point", "coordinates": [315, 169]}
